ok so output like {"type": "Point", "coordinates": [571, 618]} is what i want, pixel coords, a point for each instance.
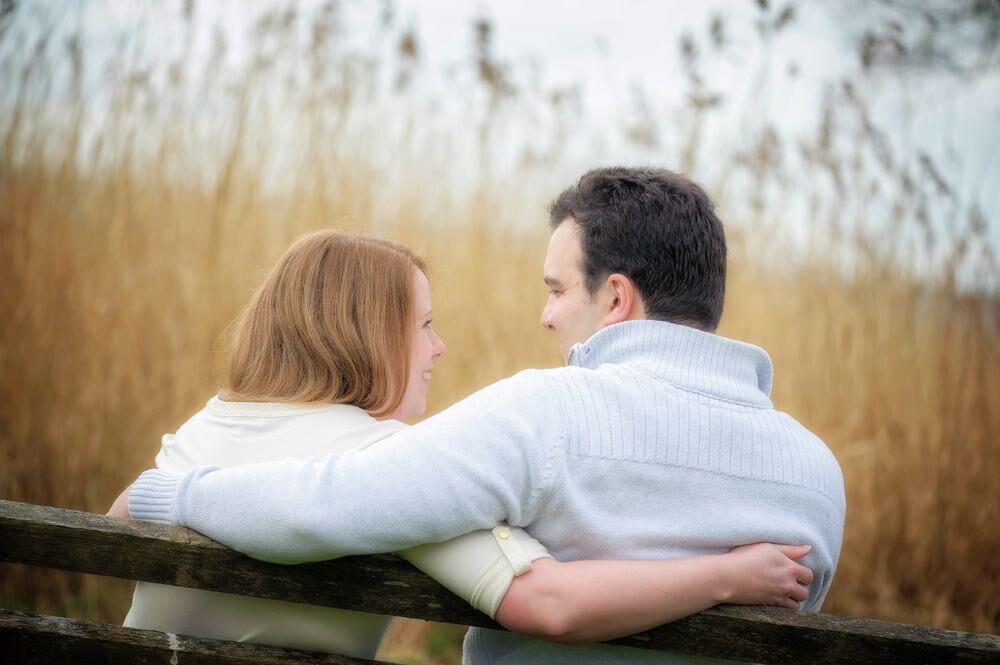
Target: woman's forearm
{"type": "Point", "coordinates": [591, 601]}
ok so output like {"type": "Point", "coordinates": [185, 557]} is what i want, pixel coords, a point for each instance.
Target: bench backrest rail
{"type": "Point", "coordinates": [39, 640]}
{"type": "Point", "coordinates": [88, 543]}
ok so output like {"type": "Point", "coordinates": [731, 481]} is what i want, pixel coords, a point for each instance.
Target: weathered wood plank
{"type": "Point", "coordinates": [775, 636]}
{"type": "Point", "coordinates": [84, 542]}
{"type": "Point", "coordinates": [130, 549]}
{"type": "Point", "coordinates": [32, 639]}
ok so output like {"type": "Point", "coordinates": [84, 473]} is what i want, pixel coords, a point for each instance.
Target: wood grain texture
{"type": "Point", "coordinates": [84, 542]}
{"type": "Point", "coordinates": [33, 639]}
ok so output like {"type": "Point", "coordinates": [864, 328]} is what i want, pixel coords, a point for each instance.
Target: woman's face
{"type": "Point", "coordinates": [426, 346]}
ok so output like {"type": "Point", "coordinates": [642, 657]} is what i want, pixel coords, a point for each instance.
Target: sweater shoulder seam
{"type": "Point", "coordinates": [558, 442]}
{"type": "Point", "coordinates": [717, 472]}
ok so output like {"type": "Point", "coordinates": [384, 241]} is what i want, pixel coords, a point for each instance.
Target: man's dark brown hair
{"type": "Point", "coordinates": [657, 228]}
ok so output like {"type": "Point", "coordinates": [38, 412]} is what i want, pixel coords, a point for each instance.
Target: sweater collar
{"type": "Point", "coordinates": [686, 357]}
{"type": "Point", "coordinates": [351, 414]}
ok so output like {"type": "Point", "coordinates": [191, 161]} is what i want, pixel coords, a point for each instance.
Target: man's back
{"type": "Point", "coordinates": [672, 449]}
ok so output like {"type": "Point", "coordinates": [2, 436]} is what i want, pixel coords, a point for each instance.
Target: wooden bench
{"type": "Point", "coordinates": [88, 543]}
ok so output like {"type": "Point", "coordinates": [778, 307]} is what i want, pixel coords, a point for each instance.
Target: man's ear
{"type": "Point", "coordinates": [624, 300]}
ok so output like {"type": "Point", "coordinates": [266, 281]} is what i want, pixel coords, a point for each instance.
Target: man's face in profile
{"type": "Point", "coordinates": [571, 311]}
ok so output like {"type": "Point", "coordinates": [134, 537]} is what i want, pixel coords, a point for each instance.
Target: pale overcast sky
{"type": "Point", "coordinates": [607, 48]}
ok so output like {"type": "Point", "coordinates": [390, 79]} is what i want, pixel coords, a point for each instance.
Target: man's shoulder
{"type": "Point", "coordinates": [536, 381]}
{"type": "Point", "coordinates": [820, 456]}
{"type": "Point", "coordinates": [526, 392]}
{"type": "Point", "coordinates": [802, 433]}
{"type": "Point", "coordinates": [557, 376]}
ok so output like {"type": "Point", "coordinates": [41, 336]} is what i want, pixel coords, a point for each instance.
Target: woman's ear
{"type": "Point", "coordinates": [624, 301]}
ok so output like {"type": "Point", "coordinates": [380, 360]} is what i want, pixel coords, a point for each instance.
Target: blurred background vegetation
{"type": "Point", "coordinates": [149, 178]}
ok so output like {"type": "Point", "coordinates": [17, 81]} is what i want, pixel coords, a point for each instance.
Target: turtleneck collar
{"type": "Point", "coordinates": [689, 358]}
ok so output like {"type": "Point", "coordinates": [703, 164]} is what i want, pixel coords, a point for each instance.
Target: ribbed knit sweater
{"type": "Point", "coordinates": [656, 441]}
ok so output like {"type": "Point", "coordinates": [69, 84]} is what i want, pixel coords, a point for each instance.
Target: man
{"type": "Point", "coordinates": [657, 440]}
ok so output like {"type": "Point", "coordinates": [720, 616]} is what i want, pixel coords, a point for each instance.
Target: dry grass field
{"type": "Point", "coordinates": [117, 281]}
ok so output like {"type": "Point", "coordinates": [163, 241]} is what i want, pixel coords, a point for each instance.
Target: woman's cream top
{"type": "Point", "coordinates": [478, 566]}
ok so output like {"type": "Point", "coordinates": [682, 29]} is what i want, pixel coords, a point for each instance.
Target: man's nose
{"type": "Point", "coordinates": [546, 319]}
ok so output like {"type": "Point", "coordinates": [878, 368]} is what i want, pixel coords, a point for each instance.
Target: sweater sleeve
{"type": "Point", "coordinates": [491, 458]}
{"type": "Point", "coordinates": [479, 566]}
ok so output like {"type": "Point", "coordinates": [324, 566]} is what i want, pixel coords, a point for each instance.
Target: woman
{"type": "Point", "coordinates": [331, 353]}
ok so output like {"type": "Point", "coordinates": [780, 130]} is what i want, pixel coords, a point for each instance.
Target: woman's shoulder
{"type": "Point", "coordinates": [228, 433]}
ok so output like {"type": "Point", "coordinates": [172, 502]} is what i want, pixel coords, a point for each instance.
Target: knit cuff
{"type": "Point", "coordinates": [153, 497]}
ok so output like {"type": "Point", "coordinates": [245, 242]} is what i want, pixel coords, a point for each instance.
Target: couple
{"type": "Point", "coordinates": [638, 467]}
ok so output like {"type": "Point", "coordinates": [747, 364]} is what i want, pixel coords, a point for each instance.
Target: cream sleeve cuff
{"type": "Point", "coordinates": [479, 566]}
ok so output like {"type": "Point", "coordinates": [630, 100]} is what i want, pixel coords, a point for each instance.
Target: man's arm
{"type": "Point", "coordinates": [488, 459]}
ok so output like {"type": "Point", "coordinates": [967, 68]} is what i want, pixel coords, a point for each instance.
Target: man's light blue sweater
{"type": "Point", "coordinates": [656, 441]}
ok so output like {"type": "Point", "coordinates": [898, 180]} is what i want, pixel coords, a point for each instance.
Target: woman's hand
{"type": "Point", "coordinates": [120, 507]}
{"type": "Point", "coordinates": [767, 574]}
{"type": "Point", "coordinates": [592, 601]}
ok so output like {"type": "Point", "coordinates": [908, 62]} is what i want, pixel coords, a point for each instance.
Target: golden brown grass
{"type": "Point", "coordinates": [115, 284]}
{"type": "Point", "coordinates": [114, 296]}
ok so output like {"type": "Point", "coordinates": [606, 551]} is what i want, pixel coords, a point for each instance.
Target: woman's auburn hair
{"type": "Point", "coordinates": [331, 323]}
